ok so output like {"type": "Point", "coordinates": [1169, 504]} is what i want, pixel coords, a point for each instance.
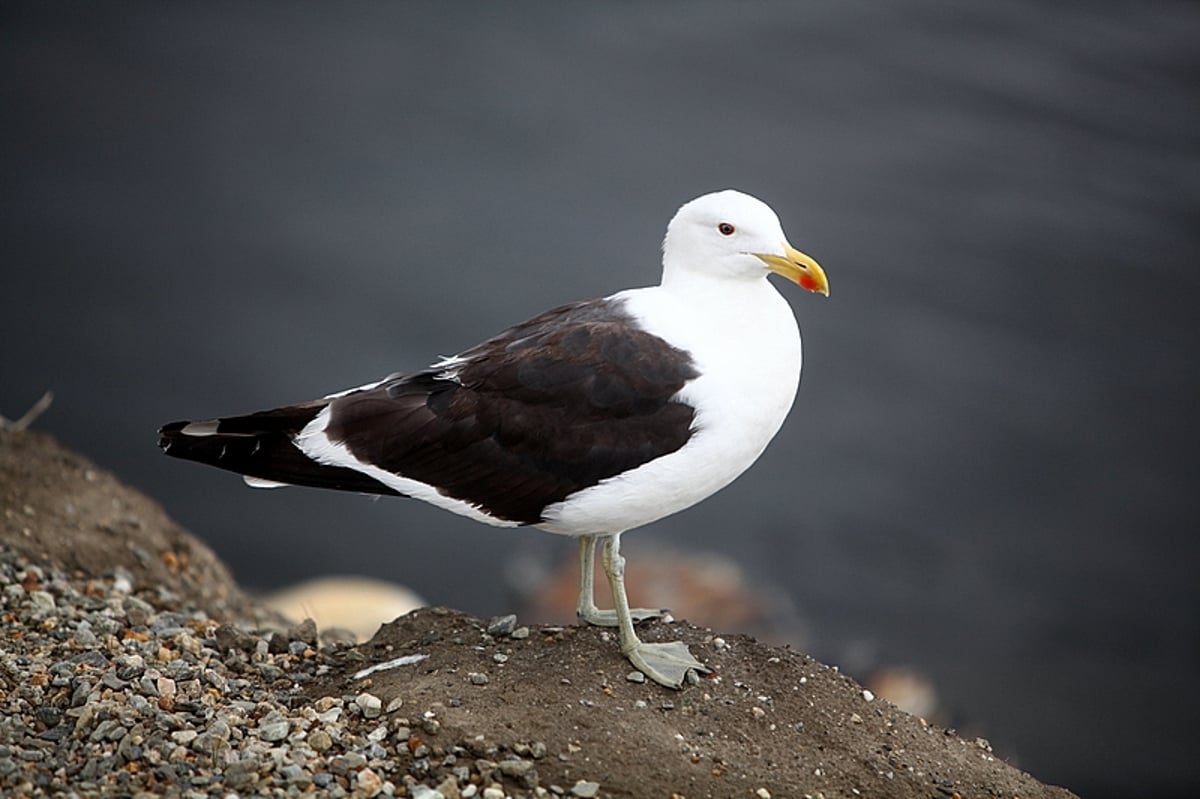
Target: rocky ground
{"type": "Point", "coordinates": [130, 664]}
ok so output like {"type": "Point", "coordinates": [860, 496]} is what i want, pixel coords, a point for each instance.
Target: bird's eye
{"type": "Point", "coordinates": [726, 229]}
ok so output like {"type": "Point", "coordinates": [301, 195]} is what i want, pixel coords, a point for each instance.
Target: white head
{"type": "Point", "coordinates": [728, 234]}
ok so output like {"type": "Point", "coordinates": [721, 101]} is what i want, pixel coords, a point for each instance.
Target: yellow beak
{"type": "Point", "coordinates": [798, 268]}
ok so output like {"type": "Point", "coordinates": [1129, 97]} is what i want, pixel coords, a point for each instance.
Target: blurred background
{"type": "Point", "coordinates": [989, 478]}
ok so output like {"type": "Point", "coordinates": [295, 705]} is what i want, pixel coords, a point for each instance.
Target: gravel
{"type": "Point", "coordinates": [108, 692]}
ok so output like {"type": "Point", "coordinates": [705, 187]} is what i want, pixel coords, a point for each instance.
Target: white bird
{"type": "Point", "coordinates": [588, 420]}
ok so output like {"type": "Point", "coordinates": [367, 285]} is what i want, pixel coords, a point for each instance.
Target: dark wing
{"type": "Point", "coordinates": [546, 408]}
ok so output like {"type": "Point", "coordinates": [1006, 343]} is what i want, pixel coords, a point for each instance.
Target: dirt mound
{"type": "Point", "coordinates": [60, 507]}
{"type": "Point", "coordinates": [436, 698]}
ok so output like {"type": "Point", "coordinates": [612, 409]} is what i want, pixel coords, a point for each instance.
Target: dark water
{"type": "Point", "coordinates": [990, 473]}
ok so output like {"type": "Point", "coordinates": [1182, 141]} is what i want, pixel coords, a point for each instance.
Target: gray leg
{"type": "Point", "coordinates": [666, 664]}
{"type": "Point", "coordinates": [586, 608]}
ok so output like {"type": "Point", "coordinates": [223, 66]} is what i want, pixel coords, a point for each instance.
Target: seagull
{"type": "Point", "coordinates": [588, 420]}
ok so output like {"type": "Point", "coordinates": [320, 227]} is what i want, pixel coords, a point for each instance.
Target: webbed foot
{"type": "Point", "coordinates": [608, 618]}
{"type": "Point", "coordinates": [667, 664]}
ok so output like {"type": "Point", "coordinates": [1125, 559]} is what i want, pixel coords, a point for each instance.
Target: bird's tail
{"type": "Point", "coordinates": [261, 447]}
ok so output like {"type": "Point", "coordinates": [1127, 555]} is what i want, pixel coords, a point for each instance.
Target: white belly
{"type": "Point", "coordinates": [749, 362]}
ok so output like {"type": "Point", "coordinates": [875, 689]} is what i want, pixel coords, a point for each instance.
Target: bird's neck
{"type": "Point", "coordinates": [724, 288]}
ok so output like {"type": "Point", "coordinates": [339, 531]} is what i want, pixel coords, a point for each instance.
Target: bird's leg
{"type": "Point", "coordinates": [586, 608]}
{"type": "Point", "coordinates": [666, 664]}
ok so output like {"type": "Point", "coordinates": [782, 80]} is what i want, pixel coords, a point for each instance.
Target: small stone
{"type": "Point", "coordinates": [425, 792]}
{"type": "Point", "coordinates": [182, 737]}
{"type": "Point", "coordinates": [493, 792]}
{"type": "Point", "coordinates": [320, 741]}
{"type": "Point", "coordinates": [230, 637]}
{"type": "Point", "coordinates": [478, 679]}
{"type": "Point", "coordinates": [122, 581]}
{"type": "Point", "coordinates": [515, 768]}
{"type": "Point", "coordinates": [585, 789]}
{"type": "Point", "coordinates": [295, 774]}
{"type": "Point", "coordinates": [49, 715]}
{"type": "Point", "coordinates": [763, 793]}
{"type": "Point", "coordinates": [370, 705]}
{"type": "Point", "coordinates": [273, 729]}
{"type": "Point", "coordinates": [500, 657]}
{"type": "Point", "coordinates": [242, 774]}
{"type": "Point", "coordinates": [111, 680]}
{"type": "Point", "coordinates": [502, 625]}
{"type": "Point", "coordinates": [520, 633]}
{"type": "Point", "coordinates": [867, 695]}
{"type": "Point", "coordinates": [635, 676]}
{"type": "Point", "coordinates": [719, 643]}
{"type": "Point", "coordinates": [137, 612]}
{"type": "Point", "coordinates": [84, 635]}
{"type": "Point", "coordinates": [215, 739]}
{"type": "Point", "coordinates": [448, 788]}
{"type": "Point", "coordinates": [368, 784]}
{"type": "Point", "coordinates": [305, 631]}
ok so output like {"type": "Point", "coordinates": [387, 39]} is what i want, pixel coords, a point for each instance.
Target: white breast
{"type": "Point", "coordinates": [746, 345]}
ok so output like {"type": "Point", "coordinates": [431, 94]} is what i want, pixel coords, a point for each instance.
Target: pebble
{"type": "Point", "coordinates": [370, 705]}
{"type": "Point", "coordinates": [502, 625]}
{"type": "Point", "coordinates": [273, 728]}
{"type": "Point", "coordinates": [585, 789]}
{"type": "Point", "coordinates": [425, 792]}
{"type": "Point", "coordinates": [368, 784]}
{"type": "Point", "coordinates": [125, 676]}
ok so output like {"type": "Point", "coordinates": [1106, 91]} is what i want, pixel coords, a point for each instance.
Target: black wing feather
{"type": "Point", "coordinates": [546, 408]}
{"type": "Point", "coordinates": [261, 445]}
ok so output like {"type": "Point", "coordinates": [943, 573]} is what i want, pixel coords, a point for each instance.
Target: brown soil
{"type": "Point", "coordinates": [769, 718]}
{"type": "Point", "coordinates": [769, 721]}
{"type": "Point", "coordinates": [58, 506]}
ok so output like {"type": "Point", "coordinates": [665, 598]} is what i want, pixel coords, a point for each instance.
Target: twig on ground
{"type": "Point", "coordinates": [31, 415]}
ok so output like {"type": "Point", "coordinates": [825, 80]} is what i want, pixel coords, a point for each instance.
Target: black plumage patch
{"type": "Point", "coordinates": [547, 408]}
{"type": "Point", "coordinates": [262, 445]}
